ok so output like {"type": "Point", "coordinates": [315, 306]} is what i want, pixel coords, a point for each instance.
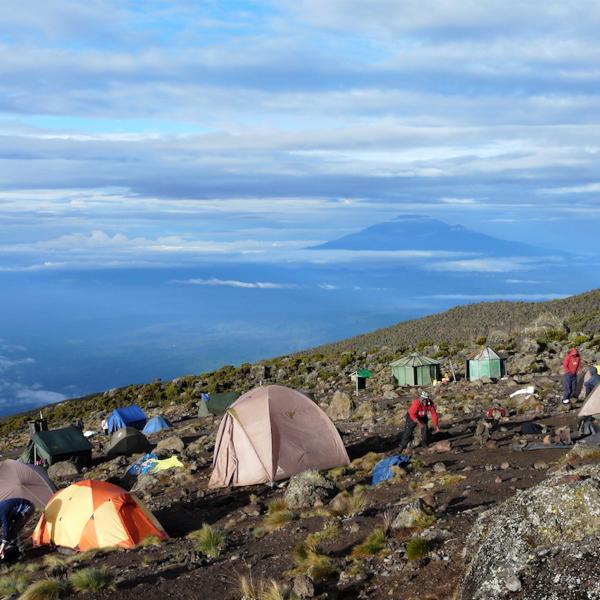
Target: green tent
{"type": "Point", "coordinates": [55, 446]}
{"type": "Point", "coordinates": [415, 369]}
{"type": "Point", "coordinates": [486, 364]}
{"type": "Point", "coordinates": [217, 404]}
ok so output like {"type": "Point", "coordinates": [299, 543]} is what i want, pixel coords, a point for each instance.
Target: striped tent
{"type": "Point", "coordinates": [95, 514]}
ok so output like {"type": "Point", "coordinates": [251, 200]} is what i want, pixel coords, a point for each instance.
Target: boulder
{"type": "Point", "coordinates": [364, 412]}
{"type": "Point", "coordinates": [413, 514]}
{"type": "Point", "coordinates": [170, 444]}
{"type": "Point", "coordinates": [341, 407]}
{"type": "Point", "coordinates": [198, 446]}
{"type": "Point", "coordinates": [497, 337]}
{"type": "Point", "coordinates": [304, 586]}
{"type": "Point", "coordinates": [506, 541]}
{"type": "Point", "coordinates": [308, 489]}
{"type": "Point", "coordinates": [62, 469]}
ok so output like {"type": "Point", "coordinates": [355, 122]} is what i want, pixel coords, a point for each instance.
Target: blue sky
{"type": "Point", "coordinates": [171, 134]}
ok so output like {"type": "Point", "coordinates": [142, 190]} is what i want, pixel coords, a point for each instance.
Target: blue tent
{"type": "Point", "coordinates": [156, 424]}
{"type": "Point", "coordinates": [128, 416]}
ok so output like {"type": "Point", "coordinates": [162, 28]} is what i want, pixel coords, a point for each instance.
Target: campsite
{"type": "Point", "coordinates": [276, 489]}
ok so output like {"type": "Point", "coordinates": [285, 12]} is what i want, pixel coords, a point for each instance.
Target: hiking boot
{"type": "Point", "coordinates": [566, 401]}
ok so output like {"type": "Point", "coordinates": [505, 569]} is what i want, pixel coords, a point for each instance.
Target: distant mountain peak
{"type": "Point", "coordinates": [422, 232]}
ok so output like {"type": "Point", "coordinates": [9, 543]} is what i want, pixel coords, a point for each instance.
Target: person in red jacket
{"type": "Point", "coordinates": [418, 415]}
{"type": "Point", "coordinates": [571, 366]}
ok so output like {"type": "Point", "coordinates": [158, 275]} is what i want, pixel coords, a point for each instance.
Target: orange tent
{"type": "Point", "coordinates": [95, 514]}
{"type": "Point", "coordinates": [272, 433]}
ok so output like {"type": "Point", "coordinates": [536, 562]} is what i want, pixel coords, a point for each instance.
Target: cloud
{"type": "Point", "coordinates": [484, 265]}
{"type": "Point", "coordinates": [8, 363]}
{"type": "Point", "coordinates": [260, 285]}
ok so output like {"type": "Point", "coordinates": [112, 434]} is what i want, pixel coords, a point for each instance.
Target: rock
{"type": "Point", "coordinates": [304, 586]}
{"type": "Point", "coordinates": [583, 453]}
{"type": "Point", "coordinates": [412, 514]}
{"type": "Point", "coordinates": [365, 412]}
{"type": "Point", "coordinates": [390, 395]}
{"type": "Point", "coordinates": [505, 465]}
{"type": "Point", "coordinates": [62, 469]}
{"type": "Point", "coordinates": [443, 446]}
{"type": "Point", "coordinates": [170, 444]}
{"type": "Point", "coordinates": [497, 337]}
{"type": "Point", "coordinates": [308, 489]}
{"type": "Point", "coordinates": [439, 467]}
{"type": "Point", "coordinates": [197, 447]}
{"type": "Point", "coordinates": [540, 465]}
{"type": "Point", "coordinates": [341, 407]}
{"type": "Point", "coordinates": [553, 515]}
{"type": "Point", "coordinates": [527, 345]}
{"type": "Point", "coordinates": [512, 583]}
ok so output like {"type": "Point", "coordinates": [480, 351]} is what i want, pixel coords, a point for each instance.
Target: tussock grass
{"type": "Point", "coordinates": [387, 520]}
{"type": "Point", "coordinates": [337, 472]}
{"type": "Point", "coordinates": [374, 544]}
{"type": "Point", "coordinates": [417, 548]}
{"type": "Point", "coordinates": [309, 561]}
{"type": "Point", "coordinates": [208, 540]}
{"type": "Point", "coordinates": [47, 589]}
{"type": "Point", "coordinates": [348, 504]}
{"type": "Point", "coordinates": [92, 579]}
{"type": "Point", "coordinates": [365, 464]}
{"type": "Point", "coordinates": [451, 479]}
{"type": "Point", "coordinates": [150, 540]}
{"type": "Point", "coordinates": [263, 590]}
{"type": "Point", "coordinates": [278, 515]}
{"type": "Point", "coordinates": [14, 583]}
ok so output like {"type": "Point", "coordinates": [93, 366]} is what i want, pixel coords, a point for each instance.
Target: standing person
{"type": "Point", "coordinates": [104, 426]}
{"type": "Point", "coordinates": [571, 366]}
{"type": "Point", "coordinates": [14, 514]}
{"type": "Point", "coordinates": [418, 415]}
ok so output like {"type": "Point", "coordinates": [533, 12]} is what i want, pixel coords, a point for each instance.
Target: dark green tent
{"type": "Point", "coordinates": [217, 404]}
{"type": "Point", "coordinates": [126, 441]}
{"type": "Point", "coordinates": [54, 446]}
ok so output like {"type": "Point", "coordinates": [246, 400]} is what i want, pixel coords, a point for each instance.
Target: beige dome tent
{"type": "Point", "coordinates": [592, 404]}
{"type": "Point", "coordinates": [272, 433]}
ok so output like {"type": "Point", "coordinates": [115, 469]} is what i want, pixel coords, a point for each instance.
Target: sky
{"type": "Point", "coordinates": [170, 134]}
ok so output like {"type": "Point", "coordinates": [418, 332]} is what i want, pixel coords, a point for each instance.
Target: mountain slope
{"type": "Point", "coordinates": [418, 232]}
{"type": "Point", "coordinates": [467, 322]}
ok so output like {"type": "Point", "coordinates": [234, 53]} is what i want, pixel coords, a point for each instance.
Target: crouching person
{"type": "Point", "coordinates": [418, 416]}
{"type": "Point", "coordinates": [14, 515]}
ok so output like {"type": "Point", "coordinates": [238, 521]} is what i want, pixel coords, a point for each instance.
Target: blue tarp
{"type": "Point", "coordinates": [128, 416]}
{"type": "Point", "coordinates": [143, 464]}
{"type": "Point", "coordinates": [156, 424]}
{"type": "Point", "coordinates": [383, 469]}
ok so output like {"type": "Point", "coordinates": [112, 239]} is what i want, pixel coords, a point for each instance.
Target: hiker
{"type": "Point", "coordinates": [14, 514]}
{"type": "Point", "coordinates": [417, 415]}
{"type": "Point", "coordinates": [571, 366]}
{"type": "Point", "coordinates": [104, 426]}
{"type": "Point", "coordinates": [592, 382]}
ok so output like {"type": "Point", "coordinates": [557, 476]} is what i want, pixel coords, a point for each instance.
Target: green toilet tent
{"type": "Point", "coordinates": [57, 445]}
{"type": "Point", "coordinates": [415, 369]}
{"type": "Point", "coordinates": [217, 404]}
{"type": "Point", "coordinates": [486, 364]}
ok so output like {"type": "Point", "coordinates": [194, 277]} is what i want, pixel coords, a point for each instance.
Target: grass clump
{"type": "Point", "coordinates": [150, 540]}
{"type": "Point", "coordinates": [92, 579]}
{"type": "Point", "coordinates": [47, 589]}
{"type": "Point", "coordinates": [348, 504]}
{"type": "Point", "coordinates": [278, 515]}
{"type": "Point", "coordinates": [14, 583]}
{"type": "Point", "coordinates": [417, 548]}
{"type": "Point", "coordinates": [263, 590]}
{"type": "Point", "coordinates": [425, 520]}
{"type": "Point", "coordinates": [208, 540]}
{"type": "Point", "coordinates": [309, 561]}
{"type": "Point", "coordinates": [374, 544]}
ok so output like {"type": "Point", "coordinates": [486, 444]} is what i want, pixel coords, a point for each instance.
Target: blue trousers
{"type": "Point", "coordinates": [569, 386]}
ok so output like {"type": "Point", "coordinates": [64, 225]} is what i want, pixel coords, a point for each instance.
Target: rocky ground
{"type": "Point", "coordinates": [440, 529]}
{"type": "Point", "coordinates": [476, 515]}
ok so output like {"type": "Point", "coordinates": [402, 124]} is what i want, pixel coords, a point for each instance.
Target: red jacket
{"type": "Point", "coordinates": [419, 411]}
{"type": "Point", "coordinates": [572, 362]}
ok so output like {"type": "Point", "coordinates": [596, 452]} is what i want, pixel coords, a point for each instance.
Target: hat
{"type": "Point", "coordinates": [425, 396]}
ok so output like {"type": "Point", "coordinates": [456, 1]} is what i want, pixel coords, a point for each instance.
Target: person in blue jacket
{"type": "Point", "coordinates": [14, 514]}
